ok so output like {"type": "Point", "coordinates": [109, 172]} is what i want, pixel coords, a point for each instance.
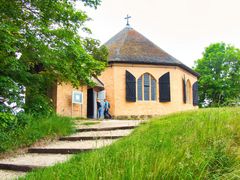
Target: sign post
{"type": "Point", "coordinates": [77, 98]}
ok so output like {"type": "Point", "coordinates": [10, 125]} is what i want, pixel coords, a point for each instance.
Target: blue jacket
{"type": "Point", "coordinates": [106, 105]}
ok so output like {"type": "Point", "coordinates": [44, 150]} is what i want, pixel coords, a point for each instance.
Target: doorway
{"type": "Point", "coordinates": [92, 95]}
{"type": "Point", "coordinates": [90, 103]}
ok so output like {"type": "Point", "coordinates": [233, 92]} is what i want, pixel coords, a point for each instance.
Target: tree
{"type": "Point", "coordinates": [40, 45]}
{"type": "Point", "coordinates": [219, 70]}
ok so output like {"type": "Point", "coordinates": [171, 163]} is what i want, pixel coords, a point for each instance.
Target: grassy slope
{"type": "Point", "coordinates": [193, 145]}
{"type": "Point", "coordinates": [36, 129]}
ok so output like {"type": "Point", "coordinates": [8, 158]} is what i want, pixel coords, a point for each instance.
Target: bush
{"type": "Point", "coordinates": [39, 105]}
{"type": "Point", "coordinates": [7, 121]}
{"type": "Point", "coordinates": [24, 129]}
{"type": "Point", "coordinates": [235, 102]}
{"type": "Point", "coordinates": [24, 119]}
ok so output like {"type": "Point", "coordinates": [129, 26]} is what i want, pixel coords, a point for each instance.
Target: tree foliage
{"type": "Point", "coordinates": [219, 68]}
{"type": "Point", "coordinates": [40, 44]}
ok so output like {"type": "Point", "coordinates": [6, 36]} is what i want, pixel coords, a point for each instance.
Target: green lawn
{"type": "Point", "coordinates": [34, 130]}
{"type": "Point", "coordinates": [200, 144]}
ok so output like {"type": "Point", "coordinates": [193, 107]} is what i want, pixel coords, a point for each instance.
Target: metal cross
{"type": "Point", "coordinates": [127, 18]}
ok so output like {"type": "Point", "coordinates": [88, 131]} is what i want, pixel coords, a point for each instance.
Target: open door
{"type": "Point", "coordinates": [90, 103]}
{"type": "Point", "coordinates": [101, 95]}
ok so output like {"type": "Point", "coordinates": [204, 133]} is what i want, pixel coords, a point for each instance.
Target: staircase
{"type": "Point", "coordinates": [86, 138]}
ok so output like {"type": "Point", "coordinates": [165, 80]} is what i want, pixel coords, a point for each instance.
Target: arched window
{"type": "Point", "coordinates": [188, 92]}
{"type": "Point", "coordinates": [146, 88]}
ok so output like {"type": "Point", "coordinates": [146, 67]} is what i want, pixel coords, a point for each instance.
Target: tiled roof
{"type": "Point", "coordinates": [129, 46]}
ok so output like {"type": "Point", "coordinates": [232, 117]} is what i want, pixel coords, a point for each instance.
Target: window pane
{"type": "Point", "coordinates": [153, 89]}
{"type": "Point", "coordinates": [146, 87]}
{"type": "Point", "coordinates": [139, 84]}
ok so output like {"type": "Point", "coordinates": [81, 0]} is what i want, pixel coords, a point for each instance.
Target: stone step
{"type": "Point", "coordinates": [28, 162]}
{"type": "Point", "coordinates": [23, 168]}
{"type": "Point", "coordinates": [87, 129]}
{"type": "Point", "coordinates": [57, 150]}
{"type": "Point", "coordinates": [70, 147]}
{"type": "Point", "coordinates": [85, 138]}
{"type": "Point", "coordinates": [97, 134]}
{"type": "Point", "coordinates": [108, 125]}
{"type": "Point", "coordinates": [9, 175]}
{"type": "Point", "coordinates": [94, 135]}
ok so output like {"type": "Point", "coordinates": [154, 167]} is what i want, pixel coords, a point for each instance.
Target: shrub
{"type": "Point", "coordinates": [24, 119]}
{"type": "Point", "coordinates": [39, 105]}
{"type": "Point", "coordinates": [7, 121]}
{"type": "Point", "coordinates": [235, 102]}
{"type": "Point", "coordinates": [29, 129]}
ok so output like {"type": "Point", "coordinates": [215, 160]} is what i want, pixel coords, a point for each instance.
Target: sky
{"type": "Point", "coordinates": [183, 28]}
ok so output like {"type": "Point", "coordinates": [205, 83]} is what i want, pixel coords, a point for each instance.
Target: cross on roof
{"type": "Point", "coordinates": [127, 18]}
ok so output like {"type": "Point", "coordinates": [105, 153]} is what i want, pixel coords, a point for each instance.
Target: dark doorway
{"type": "Point", "coordinates": [90, 103]}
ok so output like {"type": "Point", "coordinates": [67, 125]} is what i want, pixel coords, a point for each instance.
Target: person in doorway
{"type": "Point", "coordinates": [99, 109]}
{"type": "Point", "coordinates": [107, 115]}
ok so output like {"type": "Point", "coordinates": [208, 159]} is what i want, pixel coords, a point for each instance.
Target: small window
{"type": "Point", "coordinates": [146, 87]}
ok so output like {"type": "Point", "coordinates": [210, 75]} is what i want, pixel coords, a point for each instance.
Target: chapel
{"type": "Point", "coordinates": [141, 80]}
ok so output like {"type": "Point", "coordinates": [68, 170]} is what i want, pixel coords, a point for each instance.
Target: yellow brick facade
{"type": "Point", "coordinates": [114, 81]}
{"type": "Point", "coordinates": [63, 101]}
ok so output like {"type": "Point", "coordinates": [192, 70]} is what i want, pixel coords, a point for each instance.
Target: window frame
{"type": "Point", "coordinates": [150, 87]}
{"type": "Point", "coordinates": [140, 96]}
{"type": "Point", "coordinates": [147, 87]}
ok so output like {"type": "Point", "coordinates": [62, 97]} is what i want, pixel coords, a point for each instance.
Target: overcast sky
{"type": "Point", "coordinates": [183, 28]}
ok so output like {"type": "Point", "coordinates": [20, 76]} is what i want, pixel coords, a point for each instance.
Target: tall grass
{"type": "Point", "coordinates": [200, 144]}
{"type": "Point", "coordinates": [35, 129]}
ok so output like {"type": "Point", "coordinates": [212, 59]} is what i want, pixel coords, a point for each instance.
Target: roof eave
{"type": "Point", "coordinates": [158, 63]}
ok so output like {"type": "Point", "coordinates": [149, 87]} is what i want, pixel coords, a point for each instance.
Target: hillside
{"type": "Point", "coordinates": [202, 144]}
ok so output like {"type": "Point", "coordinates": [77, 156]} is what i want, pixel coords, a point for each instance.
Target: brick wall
{"type": "Point", "coordinates": [114, 81]}
{"type": "Point", "coordinates": [64, 101]}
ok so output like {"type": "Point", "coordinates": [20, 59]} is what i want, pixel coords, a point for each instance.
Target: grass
{"type": "Point", "coordinates": [200, 144]}
{"type": "Point", "coordinates": [35, 130]}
